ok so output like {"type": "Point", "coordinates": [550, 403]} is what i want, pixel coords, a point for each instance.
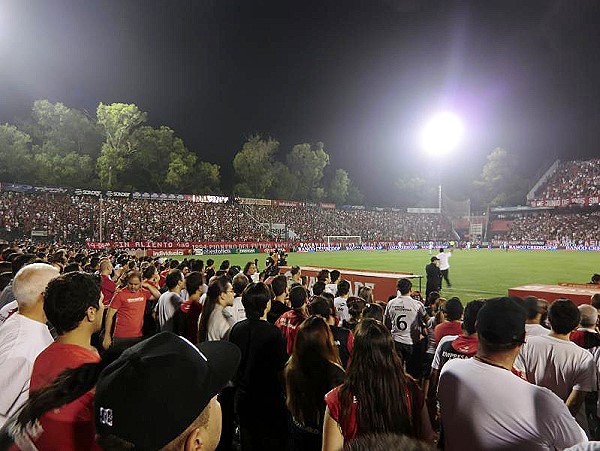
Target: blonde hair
{"type": "Point", "coordinates": [31, 282]}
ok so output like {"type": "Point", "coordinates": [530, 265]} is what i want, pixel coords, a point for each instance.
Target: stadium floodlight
{"type": "Point", "coordinates": [441, 134]}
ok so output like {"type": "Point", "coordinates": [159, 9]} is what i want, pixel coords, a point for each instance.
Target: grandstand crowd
{"type": "Point", "coordinates": [110, 351]}
{"type": "Point", "coordinates": [561, 228]}
{"type": "Point", "coordinates": [77, 219]}
{"type": "Point", "coordinates": [572, 179]}
{"type": "Point", "coordinates": [71, 218]}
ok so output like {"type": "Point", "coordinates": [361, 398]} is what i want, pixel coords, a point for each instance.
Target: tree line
{"type": "Point", "coordinates": [116, 149]}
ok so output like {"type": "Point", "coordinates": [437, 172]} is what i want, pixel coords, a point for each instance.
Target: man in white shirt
{"type": "Point", "coordinates": [340, 302]}
{"type": "Point", "coordinates": [445, 265]}
{"type": "Point", "coordinates": [23, 336]}
{"type": "Point", "coordinates": [237, 310]}
{"type": "Point", "coordinates": [403, 315]}
{"type": "Point", "coordinates": [484, 406]}
{"type": "Point", "coordinates": [332, 285]}
{"type": "Point", "coordinates": [170, 300]}
{"type": "Point", "coordinates": [555, 362]}
{"type": "Point", "coordinates": [537, 312]}
{"type": "Point", "coordinates": [8, 310]}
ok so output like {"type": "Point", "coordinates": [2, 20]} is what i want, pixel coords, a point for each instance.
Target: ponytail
{"type": "Point", "coordinates": [67, 387]}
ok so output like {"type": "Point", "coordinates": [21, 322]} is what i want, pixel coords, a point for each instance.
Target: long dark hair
{"type": "Point", "coordinates": [67, 387]}
{"type": "Point", "coordinates": [376, 379]}
{"type": "Point", "coordinates": [356, 306]}
{"type": "Point", "coordinates": [215, 289]}
{"type": "Point", "coordinates": [306, 373]}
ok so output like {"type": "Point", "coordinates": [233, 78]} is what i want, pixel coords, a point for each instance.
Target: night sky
{"type": "Point", "coordinates": [360, 76]}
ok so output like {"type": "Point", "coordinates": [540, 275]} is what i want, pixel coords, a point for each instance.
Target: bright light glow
{"type": "Point", "coordinates": [442, 134]}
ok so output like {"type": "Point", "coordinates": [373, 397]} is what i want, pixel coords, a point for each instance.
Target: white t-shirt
{"type": "Point", "coordinates": [167, 304]}
{"type": "Point", "coordinates": [219, 323]}
{"type": "Point", "coordinates": [21, 340]}
{"type": "Point", "coordinates": [402, 313]}
{"type": "Point", "coordinates": [8, 310]}
{"type": "Point", "coordinates": [341, 309]}
{"type": "Point", "coordinates": [489, 408]}
{"type": "Point", "coordinates": [237, 310]}
{"type": "Point", "coordinates": [331, 288]}
{"type": "Point", "coordinates": [444, 256]}
{"type": "Point", "coordinates": [535, 330]}
{"type": "Point", "coordinates": [559, 365]}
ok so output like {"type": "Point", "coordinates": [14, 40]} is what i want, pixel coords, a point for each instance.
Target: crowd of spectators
{"type": "Point", "coordinates": [562, 228]}
{"type": "Point", "coordinates": [78, 218]}
{"type": "Point", "coordinates": [572, 179]}
{"type": "Point", "coordinates": [293, 367]}
{"type": "Point", "coordinates": [71, 218]}
{"type": "Point", "coordinates": [158, 220]}
{"type": "Point", "coordinates": [306, 223]}
{"type": "Point", "coordinates": [389, 225]}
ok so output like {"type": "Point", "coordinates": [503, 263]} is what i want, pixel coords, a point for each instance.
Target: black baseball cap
{"type": "Point", "coordinates": [502, 321]}
{"type": "Point", "coordinates": [434, 259]}
{"type": "Point", "coordinates": [157, 388]}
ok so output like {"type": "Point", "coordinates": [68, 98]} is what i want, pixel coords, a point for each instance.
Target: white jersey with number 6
{"type": "Point", "coordinates": [402, 313]}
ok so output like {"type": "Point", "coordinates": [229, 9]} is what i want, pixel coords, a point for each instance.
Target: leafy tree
{"type": "Point", "coordinates": [254, 167]}
{"type": "Point", "coordinates": [355, 197]}
{"type": "Point", "coordinates": [180, 167]}
{"type": "Point", "coordinates": [72, 169]}
{"type": "Point", "coordinates": [339, 187]}
{"type": "Point", "coordinates": [206, 178]}
{"type": "Point", "coordinates": [59, 129]}
{"type": "Point", "coordinates": [308, 163]}
{"type": "Point", "coordinates": [159, 160]}
{"type": "Point", "coordinates": [65, 142]}
{"type": "Point", "coordinates": [16, 155]}
{"type": "Point", "coordinates": [500, 182]}
{"type": "Point", "coordinates": [118, 121]}
{"type": "Point", "coordinates": [285, 183]}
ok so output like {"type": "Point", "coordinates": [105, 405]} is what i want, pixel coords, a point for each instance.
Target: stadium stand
{"type": "Point", "coordinates": [572, 179]}
{"type": "Point", "coordinates": [74, 218]}
{"type": "Point", "coordinates": [562, 228]}
{"type": "Point", "coordinates": [564, 210]}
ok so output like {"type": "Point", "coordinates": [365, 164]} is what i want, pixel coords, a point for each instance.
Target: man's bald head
{"type": "Point", "coordinates": [589, 315]}
{"type": "Point", "coordinates": [31, 282]}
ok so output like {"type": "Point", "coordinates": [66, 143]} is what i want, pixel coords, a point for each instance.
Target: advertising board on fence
{"type": "Point", "coordinates": [584, 201]}
{"type": "Point", "coordinates": [382, 283]}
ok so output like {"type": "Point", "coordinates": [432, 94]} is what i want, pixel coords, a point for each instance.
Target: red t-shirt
{"type": "Point", "coordinates": [130, 315]}
{"type": "Point", "coordinates": [447, 328]}
{"type": "Point", "coordinates": [332, 400]}
{"type": "Point", "coordinates": [163, 277]}
{"type": "Point", "coordinates": [70, 427]}
{"type": "Point", "coordinates": [349, 431]}
{"type": "Point", "coordinates": [108, 288]}
{"type": "Point", "coordinates": [192, 311]}
{"type": "Point", "coordinates": [288, 323]}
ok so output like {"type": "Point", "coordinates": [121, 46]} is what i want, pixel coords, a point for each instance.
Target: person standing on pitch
{"type": "Point", "coordinates": [445, 265]}
{"type": "Point", "coordinates": [434, 277]}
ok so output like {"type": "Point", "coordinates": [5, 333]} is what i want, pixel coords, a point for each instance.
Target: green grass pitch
{"type": "Point", "coordinates": [473, 273]}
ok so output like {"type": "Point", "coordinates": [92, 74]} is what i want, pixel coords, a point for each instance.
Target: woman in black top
{"type": "Point", "coordinates": [313, 370]}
